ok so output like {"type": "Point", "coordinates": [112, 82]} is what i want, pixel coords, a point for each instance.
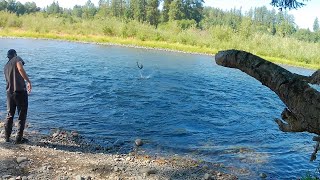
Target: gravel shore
{"type": "Point", "coordinates": [65, 155]}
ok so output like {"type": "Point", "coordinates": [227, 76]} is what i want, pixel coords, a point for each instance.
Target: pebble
{"type": "Point", "coordinates": [138, 142]}
{"type": "Point", "coordinates": [6, 176]}
{"type": "Point", "coordinates": [74, 133]}
{"type": "Point", "coordinates": [207, 176]}
{"type": "Point", "coordinates": [55, 134]}
{"type": "Point", "coordinates": [116, 169]}
{"type": "Point", "coordinates": [148, 172]}
{"type": "Point", "coordinates": [263, 175]}
{"type": "Point", "coordinates": [21, 159]}
{"type": "Point", "coordinates": [79, 178]}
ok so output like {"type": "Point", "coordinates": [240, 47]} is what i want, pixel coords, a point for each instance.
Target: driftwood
{"type": "Point", "coordinates": [303, 102]}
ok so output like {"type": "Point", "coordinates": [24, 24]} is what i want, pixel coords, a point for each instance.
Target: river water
{"type": "Point", "coordinates": [178, 104]}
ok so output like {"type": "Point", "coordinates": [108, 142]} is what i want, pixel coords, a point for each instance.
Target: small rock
{"type": "Point", "coordinates": [24, 178]}
{"type": "Point", "coordinates": [219, 174]}
{"type": "Point", "coordinates": [148, 172]}
{"type": "Point", "coordinates": [263, 175]}
{"type": "Point", "coordinates": [207, 177]}
{"type": "Point", "coordinates": [118, 159]}
{"type": "Point", "coordinates": [21, 159]}
{"type": "Point", "coordinates": [6, 177]}
{"type": "Point", "coordinates": [31, 176]}
{"type": "Point", "coordinates": [23, 164]}
{"type": "Point", "coordinates": [116, 169]}
{"type": "Point", "coordinates": [80, 178]}
{"type": "Point", "coordinates": [138, 142]}
{"type": "Point", "coordinates": [75, 134]}
{"type": "Point", "coordinates": [55, 134]}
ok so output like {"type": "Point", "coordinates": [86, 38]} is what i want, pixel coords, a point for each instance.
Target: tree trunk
{"type": "Point", "coordinates": [302, 101]}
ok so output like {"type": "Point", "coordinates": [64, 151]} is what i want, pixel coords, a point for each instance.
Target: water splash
{"type": "Point", "coordinates": [144, 76]}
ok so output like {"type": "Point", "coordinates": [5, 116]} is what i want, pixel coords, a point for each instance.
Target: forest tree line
{"type": "Point", "coordinates": [184, 25]}
{"type": "Point", "coordinates": [187, 13]}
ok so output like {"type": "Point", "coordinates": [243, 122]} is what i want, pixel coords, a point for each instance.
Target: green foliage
{"type": "Point", "coordinates": [288, 3]}
{"type": "Point", "coordinates": [54, 8]}
{"type": "Point", "coordinates": [316, 25]}
{"type": "Point", "coordinates": [152, 12]}
{"type": "Point", "coordinates": [266, 33]}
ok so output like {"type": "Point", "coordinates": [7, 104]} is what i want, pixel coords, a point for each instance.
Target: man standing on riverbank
{"type": "Point", "coordinates": [17, 95]}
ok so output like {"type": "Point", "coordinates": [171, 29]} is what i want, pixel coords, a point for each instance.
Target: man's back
{"type": "Point", "coordinates": [15, 82]}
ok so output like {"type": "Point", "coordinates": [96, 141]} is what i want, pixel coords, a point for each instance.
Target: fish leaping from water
{"type": "Point", "coordinates": [140, 66]}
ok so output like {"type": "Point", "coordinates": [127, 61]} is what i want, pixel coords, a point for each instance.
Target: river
{"type": "Point", "coordinates": [178, 104]}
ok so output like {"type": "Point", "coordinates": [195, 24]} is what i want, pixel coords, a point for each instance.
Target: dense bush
{"type": "Point", "coordinates": [293, 50]}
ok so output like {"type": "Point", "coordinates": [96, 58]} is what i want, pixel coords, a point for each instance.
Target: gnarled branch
{"type": "Point", "coordinates": [302, 101]}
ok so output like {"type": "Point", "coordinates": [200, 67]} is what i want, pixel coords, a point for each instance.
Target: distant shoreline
{"type": "Point", "coordinates": [144, 45]}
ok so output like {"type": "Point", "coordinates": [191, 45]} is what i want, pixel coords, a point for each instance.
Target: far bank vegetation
{"type": "Point", "coordinates": [184, 25]}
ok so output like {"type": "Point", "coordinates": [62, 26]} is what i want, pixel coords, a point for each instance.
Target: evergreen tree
{"type": "Point", "coordinates": [165, 10]}
{"type": "Point", "coordinates": [89, 10]}
{"type": "Point", "coordinates": [193, 10]}
{"type": "Point", "coordinates": [316, 25]}
{"type": "Point", "coordinates": [103, 9]}
{"type": "Point", "coordinates": [31, 7]}
{"type": "Point", "coordinates": [11, 6]}
{"type": "Point", "coordinates": [139, 11]}
{"type": "Point", "coordinates": [77, 11]}
{"type": "Point", "coordinates": [176, 11]}
{"type": "Point", "coordinates": [3, 5]}
{"type": "Point", "coordinates": [54, 8]}
{"type": "Point", "coordinates": [20, 9]}
{"type": "Point", "coordinates": [153, 12]}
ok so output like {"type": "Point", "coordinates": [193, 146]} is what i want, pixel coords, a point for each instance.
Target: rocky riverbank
{"type": "Point", "coordinates": [65, 155]}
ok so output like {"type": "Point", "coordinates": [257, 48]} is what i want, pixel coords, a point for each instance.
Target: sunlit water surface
{"type": "Point", "coordinates": [178, 104]}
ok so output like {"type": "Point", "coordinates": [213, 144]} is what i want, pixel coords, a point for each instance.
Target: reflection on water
{"type": "Point", "coordinates": [178, 104]}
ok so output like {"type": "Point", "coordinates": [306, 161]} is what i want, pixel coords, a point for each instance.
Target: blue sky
{"type": "Point", "coordinates": [304, 17]}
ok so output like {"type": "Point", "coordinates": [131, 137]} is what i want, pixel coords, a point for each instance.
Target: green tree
{"type": "Point", "coordinates": [304, 35]}
{"type": "Point", "coordinates": [316, 25]}
{"type": "Point", "coordinates": [153, 12]}
{"type": "Point", "coordinates": [176, 11]}
{"type": "Point", "coordinates": [89, 10]}
{"type": "Point", "coordinates": [11, 6]}
{"type": "Point", "coordinates": [20, 8]}
{"type": "Point", "coordinates": [54, 8]}
{"type": "Point", "coordinates": [31, 7]}
{"type": "Point", "coordinates": [3, 5]}
{"type": "Point", "coordinates": [104, 8]}
{"type": "Point", "coordinates": [193, 10]}
{"type": "Point", "coordinates": [77, 11]}
{"type": "Point", "coordinates": [165, 10]}
{"type": "Point", "coordinates": [139, 10]}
